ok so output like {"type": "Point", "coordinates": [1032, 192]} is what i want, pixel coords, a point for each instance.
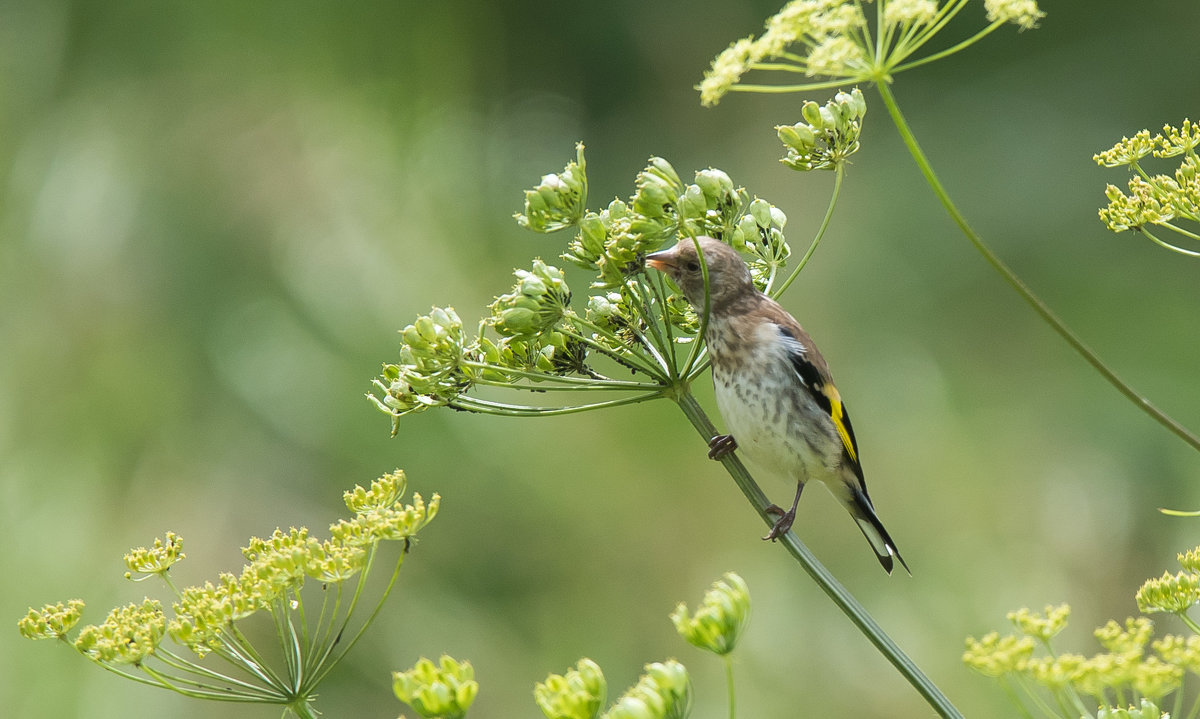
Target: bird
{"type": "Point", "coordinates": [773, 388]}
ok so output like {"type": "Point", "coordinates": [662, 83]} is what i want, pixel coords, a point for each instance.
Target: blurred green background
{"type": "Point", "coordinates": [214, 217]}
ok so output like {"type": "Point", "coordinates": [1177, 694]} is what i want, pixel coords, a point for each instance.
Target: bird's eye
{"type": "Point", "coordinates": [693, 266]}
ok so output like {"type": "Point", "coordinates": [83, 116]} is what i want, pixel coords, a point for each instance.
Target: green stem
{"type": "Point", "coordinates": [943, 53]}
{"type": "Point", "coordinates": [800, 88]}
{"type": "Point", "coordinates": [302, 709]}
{"type": "Point", "coordinates": [1168, 245]}
{"type": "Point", "coordinates": [483, 406]}
{"type": "Point", "coordinates": [728, 658]}
{"type": "Point", "coordinates": [839, 173]}
{"type": "Point", "coordinates": [824, 579]}
{"type": "Point", "coordinates": [1017, 284]}
{"type": "Point", "coordinates": [1191, 623]}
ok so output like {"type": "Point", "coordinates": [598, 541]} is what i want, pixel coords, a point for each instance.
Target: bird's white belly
{"type": "Point", "coordinates": [765, 417]}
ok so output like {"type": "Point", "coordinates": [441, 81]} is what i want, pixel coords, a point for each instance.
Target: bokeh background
{"type": "Point", "coordinates": [214, 217]}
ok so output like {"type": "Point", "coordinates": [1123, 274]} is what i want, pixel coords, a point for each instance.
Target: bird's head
{"type": "Point", "coordinates": [728, 276]}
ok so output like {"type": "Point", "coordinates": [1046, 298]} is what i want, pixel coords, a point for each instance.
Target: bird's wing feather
{"type": "Point", "coordinates": [820, 386]}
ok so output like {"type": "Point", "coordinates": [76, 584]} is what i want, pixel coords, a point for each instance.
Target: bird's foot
{"type": "Point", "coordinates": [783, 524]}
{"type": "Point", "coordinates": [721, 445]}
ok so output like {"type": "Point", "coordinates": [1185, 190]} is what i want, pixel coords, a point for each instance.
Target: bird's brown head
{"type": "Point", "coordinates": [728, 276]}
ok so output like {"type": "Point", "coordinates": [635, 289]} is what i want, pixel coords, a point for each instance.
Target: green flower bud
{"type": "Point", "coordinates": [429, 371]}
{"type": "Point", "coordinates": [715, 184]}
{"type": "Point", "coordinates": [384, 492]}
{"type": "Point", "coordinates": [592, 233]}
{"type": "Point", "coordinates": [799, 137]}
{"type": "Point", "coordinates": [1041, 626]}
{"type": "Point", "coordinates": [692, 204]}
{"type": "Point", "coordinates": [811, 112]}
{"type": "Point", "coordinates": [1146, 710]}
{"type": "Point", "coordinates": [760, 210]}
{"type": "Point", "coordinates": [995, 656]}
{"type": "Point", "coordinates": [129, 634]}
{"type": "Point", "coordinates": [442, 691]}
{"type": "Point", "coordinates": [663, 692]}
{"type": "Point", "coordinates": [52, 621]}
{"type": "Point", "coordinates": [829, 119]}
{"type": "Point", "coordinates": [559, 200]}
{"type": "Point", "coordinates": [578, 694]}
{"type": "Point", "coordinates": [660, 168]}
{"type": "Point", "coordinates": [156, 560]}
{"type": "Point", "coordinates": [746, 233]}
{"type": "Point", "coordinates": [720, 617]}
{"type": "Point", "coordinates": [538, 301]}
{"type": "Point", "coordinates": [653, 198]}
{"type": "Point", "coordinates": [1175, 594]}
{"type": "Point", "coordinates": [831, 135]}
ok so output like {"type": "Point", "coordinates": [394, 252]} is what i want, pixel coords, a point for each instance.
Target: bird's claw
{"type": "Point", "coordinates": [783, 524]}
{"type": "Point", "coordinates": [721, 445]}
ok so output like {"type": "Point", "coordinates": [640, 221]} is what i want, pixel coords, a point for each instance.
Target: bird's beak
{"type": "Point", "coordinates": [662, 261]}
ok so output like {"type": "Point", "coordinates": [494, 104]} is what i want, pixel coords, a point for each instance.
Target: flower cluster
{"type": "Point", "coordinates": [833, 39]}
{"type": "Point", "coordinates": [1022, 13]}
{"type": "Point", "coordinates": [52, 621]}
{"type": "Point", "coordinates": [532, 339]}
{"type": "Point", "coordinates": [828, 137]}
{"type": "Point", "coordinates": [1155, 200]}
{"type": "Point", "coordinates": [437, 691]}
{"type": "Point", "coordinates": [1124, 669]}
{"type": "Point", "coordinates": [663, 692]}
{"type": "Point", "coordinates": [128, 635]}
{"type": "Point", "coordinates": [559, 200]}
{"type": "Point", "coordinates": [155, 560]}
{"type": "Point", "coordinates": [204, 616]}
{"type": "Point", "coordinates": [719, 619]}
{"type": "Point", "coordinates": [430, 370]}
{"type": "Point", "coordinates": [578, 694]}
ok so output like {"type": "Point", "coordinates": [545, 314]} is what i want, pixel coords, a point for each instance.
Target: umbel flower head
{"type": "Point", "coordinates": [833, 39]}
{"type": "Point", "coordinates": [559, 200]}
{"type": "Point", "coordinates": [719, 619]}
{"type": "Point", "coordinates": [1041, 626]}
{"type": "Point", "coordinates": [129, 634]}
{"type": "Point", "coordinates": [536, 304]}
{"type": "Point", "coordinates": [429, 372]}
{"type": "Point", "coordinates": [663, 692]}
{"type": "Point", "coordinates": [829, 134]}
{"type": "Point", "coordinates": [155, 560]}
{"type": "Point", "coordinates": [52, 621]}
{"type": "Point", "coordinates": [437, 691]}
{"type": "Point", "coordinates": [1155, 200]}
{"type": "Point", "coordinates": [578, 694]}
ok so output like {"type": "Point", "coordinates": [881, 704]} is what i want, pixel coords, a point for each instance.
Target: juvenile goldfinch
{"type": "Point", "coordinates": [773, 388]}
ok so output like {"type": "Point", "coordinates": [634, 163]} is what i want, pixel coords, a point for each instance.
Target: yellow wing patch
{"type": "Point", "coordinates": [838, 415]}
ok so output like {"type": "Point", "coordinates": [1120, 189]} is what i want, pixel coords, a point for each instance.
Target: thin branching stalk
{"type": "Point", "coordinates": [1018, 285]}
{"type": "Point", "coordinates": [822, 576]}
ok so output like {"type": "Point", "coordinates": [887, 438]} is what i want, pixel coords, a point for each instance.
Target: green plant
{"type": "Point", "coordinates": [1158, 200]}
{"type": "Point", "coordinates": [842, 41]}
{"type": "Point", "coordinates": [1123, 680]}
{"type": "Point", "coordinates": [313, 593]}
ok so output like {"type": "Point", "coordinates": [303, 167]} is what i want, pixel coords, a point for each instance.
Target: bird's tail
{"type": "Point", "coordinates": [864, 515]}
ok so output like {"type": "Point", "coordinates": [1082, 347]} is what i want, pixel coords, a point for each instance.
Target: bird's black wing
{"type": "Point", "coordinates": [825, 394]}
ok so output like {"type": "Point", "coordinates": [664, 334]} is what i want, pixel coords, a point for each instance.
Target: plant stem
{"type": "Point", "coordinates": [1017, 284]}
{"type": "Point", "coordinates": [824, 579]}
{"type": "Point", "coordinates": [728, 659]}
{"type": "Point", "coordinates": [839, 173]}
